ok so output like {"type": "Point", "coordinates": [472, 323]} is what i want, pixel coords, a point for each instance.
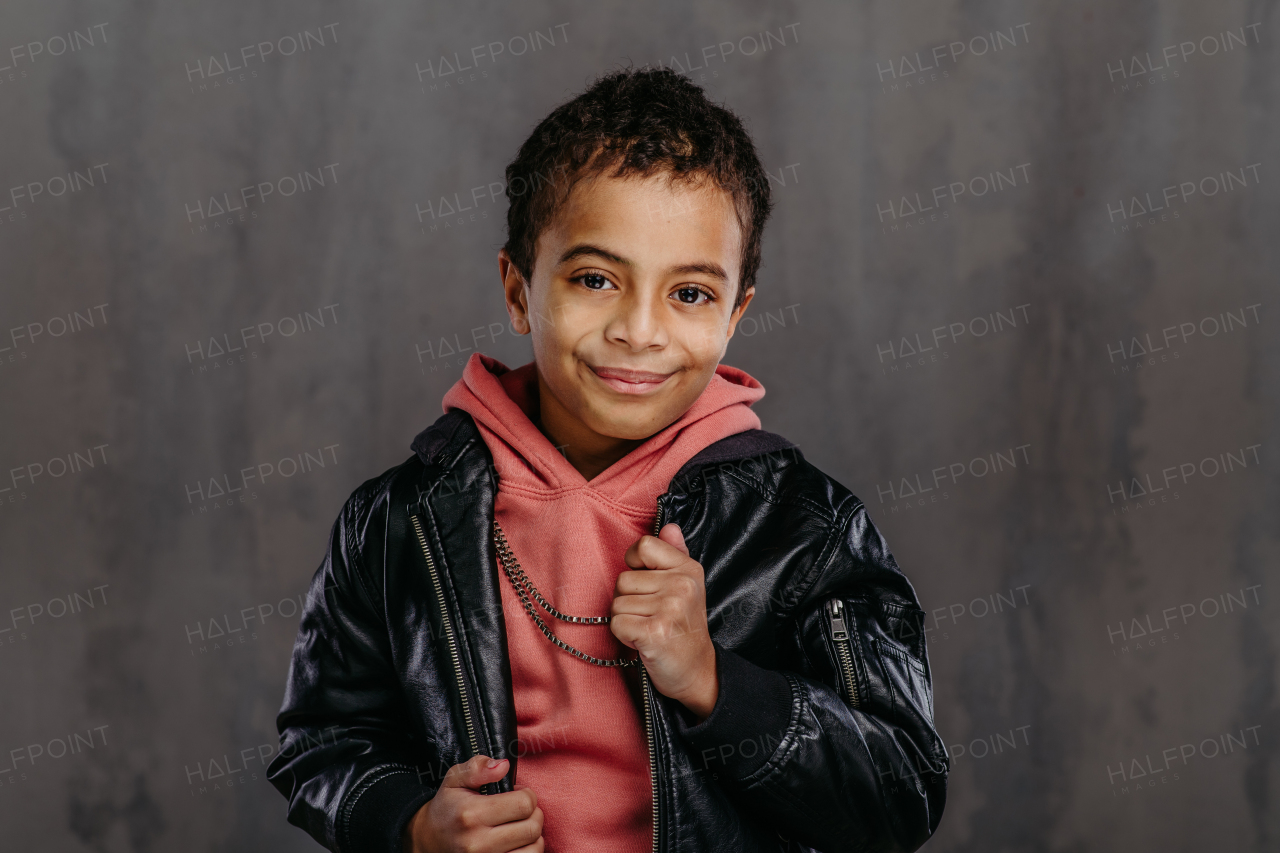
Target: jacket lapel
{"type": "Point", "coordinates": [460, 509]}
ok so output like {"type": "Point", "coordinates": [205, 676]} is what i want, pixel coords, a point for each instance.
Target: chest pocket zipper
{"type": "Point", "coordinates": [838, 619]}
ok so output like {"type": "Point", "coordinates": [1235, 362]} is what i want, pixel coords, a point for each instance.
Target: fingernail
{"type": "Point", "coordinates": [493, 762]}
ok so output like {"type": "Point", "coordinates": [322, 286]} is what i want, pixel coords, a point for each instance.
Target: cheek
{"type": "Point", "coordinates": [706, 340]}
{"type": "Point", "coordinates": [702, 351]}
{"type": "Point", "coordinates": [563, 324]}
{"type": "Point", "coordinates": [549, 324]}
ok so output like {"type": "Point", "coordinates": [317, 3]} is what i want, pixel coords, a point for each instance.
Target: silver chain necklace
{"type": "Point", "coordinates": [525, 589]}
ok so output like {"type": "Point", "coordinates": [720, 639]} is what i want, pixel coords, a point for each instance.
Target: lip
{"type": "Point", "coordinates": [630, 381]}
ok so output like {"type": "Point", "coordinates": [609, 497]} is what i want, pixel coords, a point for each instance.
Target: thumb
{"type": "Point", "coordinates": [475, 773]}
{"type": "Point", "coordinates": [673, 535]}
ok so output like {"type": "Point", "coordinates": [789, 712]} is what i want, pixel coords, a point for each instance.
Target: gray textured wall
{"type": "Point", "coordinates": [1048, 576]}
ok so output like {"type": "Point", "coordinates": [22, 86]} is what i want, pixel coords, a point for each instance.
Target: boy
{"type": "Point", "coordinates": [744, 670]}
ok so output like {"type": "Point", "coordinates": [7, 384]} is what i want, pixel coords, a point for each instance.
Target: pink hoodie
{"type": "Point", "coordinates": [582, 745]}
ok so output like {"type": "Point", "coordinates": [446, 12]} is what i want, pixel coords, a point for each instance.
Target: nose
{"type": "Point", "coordinates": [638, 322]}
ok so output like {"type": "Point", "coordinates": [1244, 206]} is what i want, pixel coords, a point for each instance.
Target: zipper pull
{"type": "Point", "coordinates": [835, 611]}
{"type": "Point", "coordinates": [844, 654]}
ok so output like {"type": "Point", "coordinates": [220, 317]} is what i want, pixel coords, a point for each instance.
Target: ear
{"type": "Point", "coordinates": [738, 312]}
{"type": "Point", "coordinates": [516, 293]}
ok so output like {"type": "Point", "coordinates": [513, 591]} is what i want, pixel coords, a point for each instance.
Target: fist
{"type": "Point", "coordinates": [660, 610]}
{"type": "Point", "coordinates": [459, 818]}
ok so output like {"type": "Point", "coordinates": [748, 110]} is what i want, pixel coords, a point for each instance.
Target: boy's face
{"type": "Point", "coordinates": [631, 302]}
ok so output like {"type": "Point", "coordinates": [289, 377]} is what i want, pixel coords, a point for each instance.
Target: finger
{"type": "Point", "coordinates": [650, 552]}
{"type": "Point", "coordinates": [532, 792]}
{"type": "Point", "coordinates": [629, 629]}
{"type": "Point", "coordinates": [673, 535]}
{"type": "Point", "coordinates": [535, 847]}
{"type": "Point", "coordinates": [684, 583]}
{"type": "Point", "coordinates": [475, 773]}
{"type": "Point", "coordinates": [519, 834]}
{"type": "Point", "coordinates": [501, 809]}
{"type": "Point", "coordinates": [538, 845]}
{"type": "Point", "coordinates": [637, 583]}
{"type": "Point", "coordinates": [636, 605]}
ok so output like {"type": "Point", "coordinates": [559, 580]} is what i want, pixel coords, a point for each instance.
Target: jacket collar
{"type": "Point", "coordinates": [441, 443]}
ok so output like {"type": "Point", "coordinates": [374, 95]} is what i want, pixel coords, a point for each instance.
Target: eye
{"type": "Point", "coordinates": [592, 280]}
{"type": "Point", "coordinates": [688, 295]}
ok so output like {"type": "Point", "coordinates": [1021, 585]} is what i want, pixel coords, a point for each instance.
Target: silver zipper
{"type": "Point", "coordinates": [450, 640]}
{"type": "Point", "coordinates": [648, 716]}
{"type": "Point", "coordinates": [844, 647]}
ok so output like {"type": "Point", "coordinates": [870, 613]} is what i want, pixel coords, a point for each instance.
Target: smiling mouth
{"type": "Point", "coordinates": [630, 381]}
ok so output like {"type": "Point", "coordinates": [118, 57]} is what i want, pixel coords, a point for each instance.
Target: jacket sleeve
{"type": "Point", "coordinates": [833, 765]}
{"type": "Point", "coordinates": [346, 763]}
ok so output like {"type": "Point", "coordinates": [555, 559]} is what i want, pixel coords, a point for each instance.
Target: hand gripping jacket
{"type": "Point", "coordinates": [822, 736]}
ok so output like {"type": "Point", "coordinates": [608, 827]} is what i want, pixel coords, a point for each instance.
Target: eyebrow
{"type": "Point", "coordinates": [584, 250]}
{"type": "Point", "coordinates": [706, 268]}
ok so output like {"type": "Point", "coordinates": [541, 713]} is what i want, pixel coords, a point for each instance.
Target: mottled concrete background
{"type": "Point", "coordinates": [1018, 294]}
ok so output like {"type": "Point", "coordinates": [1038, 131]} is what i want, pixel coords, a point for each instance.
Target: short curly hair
{"type": "Point", "coordinates": [636, 122]}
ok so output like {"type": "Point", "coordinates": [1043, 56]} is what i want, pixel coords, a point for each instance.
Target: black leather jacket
{"type": "Point", "coordinates": [822, 735]}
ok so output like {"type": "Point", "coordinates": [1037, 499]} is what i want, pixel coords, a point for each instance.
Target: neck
{"type": "Point", "coordinates": [587, 450]}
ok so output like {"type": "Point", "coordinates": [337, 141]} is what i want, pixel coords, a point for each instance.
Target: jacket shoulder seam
{"type": "Point", "coordinates": [822, 565]}
{"type": "Point", "coordinates": [836, 519]}
{"type": "Point", "coordinates": [774, 496]}
{"type": "Point", "coordinates": [357, 518]}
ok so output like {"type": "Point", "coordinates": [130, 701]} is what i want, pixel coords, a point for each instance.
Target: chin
{"type": "Point", "coordinates": [629, 429]}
